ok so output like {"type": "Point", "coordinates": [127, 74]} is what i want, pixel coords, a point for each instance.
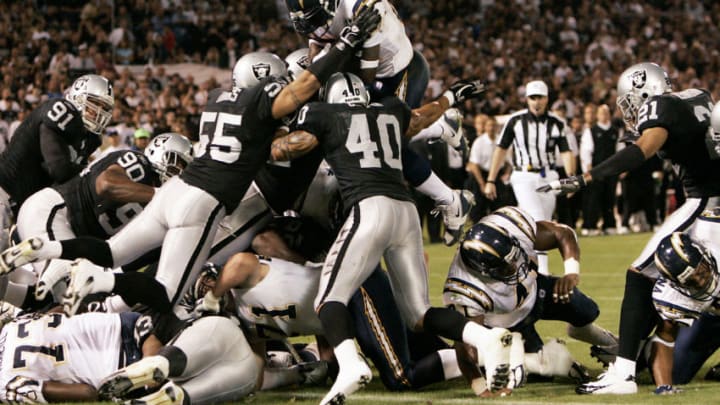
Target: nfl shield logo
{"type": "Point", "coordinates": [638, 79]}
{"type": "Point", "coordinates": [261, 70]}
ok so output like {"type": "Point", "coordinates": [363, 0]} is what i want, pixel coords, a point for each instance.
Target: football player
{"type": "Point", "coordinates": [236, 128]}
{"type": "Point", "coordinates": [53, 144]}
{"type": "Point", "coordinates": [362, 144]}
{"type": "Point", "coordinates": [390, 66]}
{"type": "Point", "coordinates": [208, 362]}
{"type": "Point", "coordinates": [675, 126]}
{"type": "Point", "coordinates": [98, 202]}
{"type": "Point", "coordinates": [493, 280]}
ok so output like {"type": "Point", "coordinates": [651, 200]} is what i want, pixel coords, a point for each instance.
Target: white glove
{"type": "Point", "coordinates": [24, 390]}
{"type": "Point", "coordinates": [208, 304]}
{"type": "Point", "coordinates": [54, 274]}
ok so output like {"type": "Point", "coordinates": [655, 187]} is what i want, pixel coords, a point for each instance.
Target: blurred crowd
{"type": "Point", "coordinates": [577, 47]}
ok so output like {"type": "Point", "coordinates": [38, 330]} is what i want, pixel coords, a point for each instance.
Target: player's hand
{"type": "Point", "coordinates": [24, 390]}
{"type": "Point", "coordinates": [563, 290]}
{"type": "Point", "coordinates": [490, 191]}
{"type": "Point", "coordinates": [567, 185]}
{"type": "Point", "coordinates": [209, 304]}
{"type": "Point", "coordinates": [464, 90]}
{"type": "Point", "coordinates": [362, 26]}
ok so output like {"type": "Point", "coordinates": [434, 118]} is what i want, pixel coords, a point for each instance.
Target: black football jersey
{"type": "Point", "coordinates": [283, 183]}
{"type": "Point", "coordinates": [686, 117]}
{"type": "Point", "coordinates": [236, 131]}
{"type": "Point", "coordinates": [362, 145]}
{"type": "Point", "coordinates": [91, 215]}
{"type": "Point", "coordinates": [23, 170]}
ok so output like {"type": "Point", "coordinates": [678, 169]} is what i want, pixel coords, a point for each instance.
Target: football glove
{"type": "Point", "coordinates": [209, 304]}
{"type": "Point", "coordinates": [361, 27]}
{"type": "Point", "coordinates": [464, 90]}
{"type": "Point", "coordinates": [567, 185]}
{"type": "Point", "coordinates": [24, 390]}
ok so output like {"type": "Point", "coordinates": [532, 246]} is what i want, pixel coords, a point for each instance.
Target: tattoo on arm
{"type": "Point", "coordinates": [293, 145]}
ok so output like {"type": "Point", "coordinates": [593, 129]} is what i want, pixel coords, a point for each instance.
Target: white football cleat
{"type": "Point", "coordinates": [25, 252]}
{"type": "Point", "coordinates": [168, 394]}
{"type": "Point", "coordinates": [455, 215]}
{"type": "Point", "coordinates": [84, 280]}
{"type": "Point", "coordinates": [495, 349]}
{"type": "Point", "coordinates": [451, 123]}
{"type": "Point", "coordinates": [148, 371]}
{"type": "Point", "coordinates": [349, 379]}
{"type": "Point", "coordinates": [610, 382]}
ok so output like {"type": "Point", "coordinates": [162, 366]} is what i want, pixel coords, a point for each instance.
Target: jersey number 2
{"type": "Point", "coordinates": [359, 141]}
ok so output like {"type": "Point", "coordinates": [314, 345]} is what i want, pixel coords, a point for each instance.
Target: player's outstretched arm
{"type": "Point", "coordinates": [426, 114]}
{"type": "Point", "coordinates": [293, 145]}
{"type": "Point", "coordinates": [113, 184]}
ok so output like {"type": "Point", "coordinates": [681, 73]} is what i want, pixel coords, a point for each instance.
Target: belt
{"type": "Point", "coordinates": [533, 169]}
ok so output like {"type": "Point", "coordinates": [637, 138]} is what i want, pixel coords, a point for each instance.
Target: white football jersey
{"type": "Point", "coordinates": [673, 305]}
{"type": "Point", "coordinates": [282, 303]}
{"type": "Point", "coordinates": [395, 48]}
{"type": "Point", "coordinates": [51, 347]}
{"type": "Point", "coordinates": [475, 294]}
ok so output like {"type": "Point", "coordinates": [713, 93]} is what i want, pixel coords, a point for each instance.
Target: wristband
{"type": "Point", "coordinates": [450, 96]}
{"type": "Point", "coordinates": [572, 266]}
{"type": "Point", "coordinates": [369, 64]}
{"type": "Point", "coordinates": [662, 341]}
{"type": "Point", "coordinates": [490, 181]}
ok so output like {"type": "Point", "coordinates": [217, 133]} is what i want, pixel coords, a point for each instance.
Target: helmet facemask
{"type": "Point", "coordinates": [96, 114]}
{"type": "Point", "coordinates": [172, 164]}
{"type": "Point", "coordinates": [629, 103]}
{"type": "Point", "coordinates": [511, 269]}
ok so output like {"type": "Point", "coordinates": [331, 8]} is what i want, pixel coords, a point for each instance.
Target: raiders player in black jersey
{"type": "Point", "coordinates": [362, 144]}
{"type": "Point", "coordinates": [675, 125]}
{"type": "Point", "coordinates": [98, 203]}
{"type": "Point", "coordinates": [236, 130]}
{"type": "Point", "coordinates": [53, 143]}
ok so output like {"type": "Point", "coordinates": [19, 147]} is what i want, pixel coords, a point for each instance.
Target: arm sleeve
{"type": "Point", "coordinates": [625, 160]}
{"type": "Point", "coordinates": [56, 154]}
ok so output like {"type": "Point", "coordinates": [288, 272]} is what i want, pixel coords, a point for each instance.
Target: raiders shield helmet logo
{"type": "Point", "coordinates": [639, 78]}
{"type": "Point", "coordinates": [261, 70]}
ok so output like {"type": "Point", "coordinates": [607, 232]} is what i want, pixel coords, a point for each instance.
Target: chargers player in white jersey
{"type": "Point", "coordinates": [493, 280]}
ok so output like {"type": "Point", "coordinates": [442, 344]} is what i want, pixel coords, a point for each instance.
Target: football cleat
{"type": "Point", "coordinates": [349, 380]}
{"type": "Point", "coordinates": [455, 215]}
{"type": "Point", "coordinates": [52, 276]}
{"type": "Point", "coordinates": [496, 352]}
{"type": "Point", "coordinates": [610, 382]}
{"type": "Point", "coordinates": [579, 373]}
{"type": "Point", "coordinates": [25, 252]}
{"type": "Point", "coordinates": [148, 371]}
{"type": "Point", "coordinates": [84, 280]}
{"type": "Point", "coordinates": [451, 123]}
{"type": "Point", "coordinates": [168, 394]}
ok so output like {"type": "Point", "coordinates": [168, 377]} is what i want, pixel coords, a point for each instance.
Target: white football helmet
{"type": "Point", "coordinates": [345, 88]}
{"type": "Point", "coordinates": [255, 66]}
{"type": "Point", "coordinates": [638, 83]}
{"type": "Point", "coordinates": [169, 154]}
{"type": "Point", "coordinates": [297, 62]}
{"type": "Point", "coordinates": [93, 96]}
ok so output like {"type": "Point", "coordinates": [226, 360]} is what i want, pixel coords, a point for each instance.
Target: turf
{"type": "Point", "coordinates": [603, 263]}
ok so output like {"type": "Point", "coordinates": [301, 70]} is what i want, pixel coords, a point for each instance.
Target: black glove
{"type": "Point", "coordinates": [364, 23]}
{"type": "Point", "coordinates": [567, 185]}
{"type": "Point", "coordinates": [464, 90]}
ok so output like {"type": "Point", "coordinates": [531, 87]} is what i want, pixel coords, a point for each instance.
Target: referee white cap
{"type": "Point", "coordinates": [536, 88]}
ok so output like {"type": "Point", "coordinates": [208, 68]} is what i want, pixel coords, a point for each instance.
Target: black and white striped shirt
{"type": "Point", "coordinates": [533, 139]}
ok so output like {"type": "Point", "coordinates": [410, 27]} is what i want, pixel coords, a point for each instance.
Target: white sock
{"type": "Point", "coordinates": [543, 267]}
{"type": "Point", "coordinates": [436, 189]}
{"type": "Point", "coordinates": [448, 358]}
{"type": "Point", "coordinates": [434, 131]}
{"type": "Point", "coordinates": [474, 334]}
{"type": "Point", "coordinates": [624, 366]}
{"type": "Point", "coordinates": [346, 353]}
{"type": "Point", "coordinates": [52, 249]}
{"type": "Point", "coordinates": [592, 334]}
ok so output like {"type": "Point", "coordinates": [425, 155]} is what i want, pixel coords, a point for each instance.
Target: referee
{"type": "Point", "coordinates": [534, 134]}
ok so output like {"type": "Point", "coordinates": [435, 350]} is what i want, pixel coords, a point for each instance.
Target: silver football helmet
{"type": "Point", "coordinates": [345, 88]}
{"type": "Point", "coordinates": [638, 83]}
{"type": "Point", "coordinates": [93, 96]}
{"type": "Point", "coordinates": [255, 66]}
{"type": "Point", "coordinates": [169, 154]}
{"type": "Point", "coordinates": [715, 120]}
{"type": "Point", "coordinates": [297, 62]}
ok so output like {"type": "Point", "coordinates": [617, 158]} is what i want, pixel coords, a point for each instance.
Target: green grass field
{"type": "Point", "coordinates": [603, 264]}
